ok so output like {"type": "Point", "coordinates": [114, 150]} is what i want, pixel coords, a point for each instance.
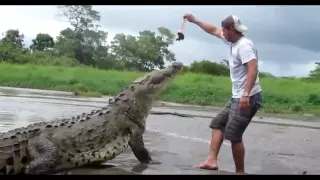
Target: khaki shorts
{"type": "Point", "coordinates": [233, 121]}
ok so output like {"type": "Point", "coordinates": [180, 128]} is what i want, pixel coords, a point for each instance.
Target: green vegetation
{"type": "Point", "coordinates": [81, 61]}
{"type": "Point", "coordinates": [82, 90]}
{"type": "Point", "coordinates": [280, 95]}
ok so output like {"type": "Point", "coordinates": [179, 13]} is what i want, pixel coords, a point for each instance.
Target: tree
{"type": "Point", "coordinates": [144, 52]}
{"type": "Point", "coordinates": [208, 67]}
{"type": "Point", "coordinates": [9, 52]}
{"type": "Point", "coordinates": [316, 72]}
{"type": "Point", "coordinates": [124, 49]}
{"type": "Point", "coordinates": [11, 46]}
{"type": "Point", "coordinates": [85, 41]}
{"type": "Point", "coordinates": [13, 37]}
{"type": "Point", "coordinates": [65, 43]}
{"type": "Point", "coordinates": [42, 42]}
{"type": "Point", "coordinates": [80, 17]}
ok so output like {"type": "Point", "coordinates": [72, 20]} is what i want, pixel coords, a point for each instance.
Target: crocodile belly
{"type": "Point", "coordinates": [101, 155]}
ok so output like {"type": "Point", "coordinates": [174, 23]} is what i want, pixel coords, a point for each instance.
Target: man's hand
{"type": "Point", "coordinates": [244, 102]}
{"type": "Point", "coordinates": [208, 28]}
{"type": "Point", "coordinates": [190, 18]}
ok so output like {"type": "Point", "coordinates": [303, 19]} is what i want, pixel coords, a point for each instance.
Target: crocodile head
{"type": "Point", "coordinates": [152, 84]}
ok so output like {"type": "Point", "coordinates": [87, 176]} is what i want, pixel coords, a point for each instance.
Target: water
{"type": "Point", "coordinates": [178, 143]}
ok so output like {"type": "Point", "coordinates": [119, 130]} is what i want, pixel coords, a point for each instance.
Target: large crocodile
{"type": "Point", "coordinates": [54, 146]}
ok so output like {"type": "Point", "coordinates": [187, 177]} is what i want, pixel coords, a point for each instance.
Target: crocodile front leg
{"type": "Point", "coordinates": [44, 155]}
{"type": "Point", "coordinates": [137, 145]}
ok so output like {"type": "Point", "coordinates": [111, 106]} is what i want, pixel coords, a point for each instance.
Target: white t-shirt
{"type": "Point", "coordinates": [241, 53]}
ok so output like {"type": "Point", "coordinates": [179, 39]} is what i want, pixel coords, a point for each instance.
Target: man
{"type": "Point", "coordinates": [246, 99]}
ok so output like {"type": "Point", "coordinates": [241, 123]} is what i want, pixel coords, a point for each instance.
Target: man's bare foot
{"type": "Point", "coordinates": [240, 172]}
{"type": "Point", "coordinates": [208, 164]}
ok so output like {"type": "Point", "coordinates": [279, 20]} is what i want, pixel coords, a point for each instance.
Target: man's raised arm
{"type": "Point", "coordinates": [203, 25]}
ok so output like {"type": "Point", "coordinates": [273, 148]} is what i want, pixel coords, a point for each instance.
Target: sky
{"type": "Point", "coordinates": [286, 36]}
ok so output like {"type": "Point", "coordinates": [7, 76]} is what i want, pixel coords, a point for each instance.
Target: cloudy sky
{"type": "Point", "coordinates": [286, 36]}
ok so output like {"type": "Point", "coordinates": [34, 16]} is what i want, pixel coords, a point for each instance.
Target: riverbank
{"type": "Point", "coordinates": [159, 107]}
{"type": "Point", "coordinates": [280, 95]}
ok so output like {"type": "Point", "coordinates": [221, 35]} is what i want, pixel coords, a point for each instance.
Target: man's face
{"type": "Point", "coordinates": [228, 33]}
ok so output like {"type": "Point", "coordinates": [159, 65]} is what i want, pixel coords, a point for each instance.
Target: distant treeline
{"type": "Point", "coordinates": [84, 44]}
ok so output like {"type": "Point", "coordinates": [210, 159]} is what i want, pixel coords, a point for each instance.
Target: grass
{"type": "Point", "coordinates": [280, 95]}
{"type": "Point", "coordinates": [82, 90]}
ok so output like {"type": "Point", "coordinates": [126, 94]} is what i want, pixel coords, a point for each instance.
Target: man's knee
{"type": "Point", "coordinates": [220, 121]}
{"type": "Point", "coordinates": [236, 127]}
{"type": "Point", "coordinates": [236, 141]}
{"type": "Point", "coordinates": [218, 132]}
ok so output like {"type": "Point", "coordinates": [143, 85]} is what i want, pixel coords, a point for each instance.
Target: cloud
{"type": "Point", "coordinates": [286, 36]}
{"type": "Point", "coordinates": [278, 24]}
{"type": "Point", "coordinates": [31, 20]}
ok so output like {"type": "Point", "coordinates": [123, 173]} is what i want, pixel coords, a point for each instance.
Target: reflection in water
{"type": "Point", "coordinates": [16, 112]}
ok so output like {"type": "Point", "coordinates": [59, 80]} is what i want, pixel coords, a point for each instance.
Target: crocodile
{"type": "Point", "coordinates": [95, 137]}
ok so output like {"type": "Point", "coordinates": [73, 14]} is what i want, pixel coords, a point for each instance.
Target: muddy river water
{"type": "Point", "coordinates": [179, 143]}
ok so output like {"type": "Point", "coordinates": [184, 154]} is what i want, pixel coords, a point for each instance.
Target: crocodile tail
{"type": "Point", "coordinates": [13, 151]}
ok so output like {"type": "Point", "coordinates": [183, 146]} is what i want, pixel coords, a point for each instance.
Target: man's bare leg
{"type": "Point", "coordinates": [238, 152]}
{"type": "Point", "coordinates": [217, 124]}
{"type": "Point", "coordinates": [236, 126]}
{"type": "Point", "coordinates": [216, 140]}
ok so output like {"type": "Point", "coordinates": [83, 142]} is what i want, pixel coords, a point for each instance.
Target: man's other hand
{"type": "Point", "coordinates": [244, 103]}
